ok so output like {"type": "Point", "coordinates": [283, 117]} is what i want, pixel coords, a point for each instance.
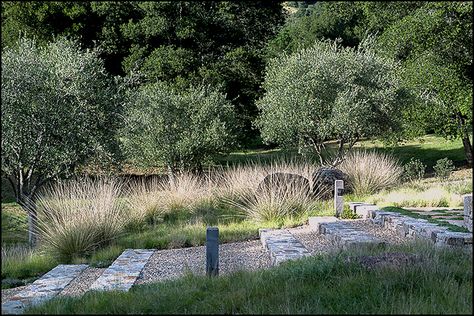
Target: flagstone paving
{"type": "Point", "coordinates": [345, 235]}
{"type": "Point", "coordinates": [282, 245]}
{"type": "Point", "coordinates": [43, 289]}
{"type": "Point", "coordinates": [124, 271]}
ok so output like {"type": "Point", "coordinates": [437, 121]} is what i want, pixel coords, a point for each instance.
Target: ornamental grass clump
{"type": "Point", "coordinates": [77, 217]}
{"type": "Point", "coordinates": [151, 200]}
{"type": "Point", "coordinates": [145, 200]}
{"type": "Point", "coordinates": [285, 193]}
{"type": "Point", "coordinates": [240, 180]}
{"type": "Point", "coordinates": [370, 171]}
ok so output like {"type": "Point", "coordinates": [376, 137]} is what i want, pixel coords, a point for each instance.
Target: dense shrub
{"type": "Point", "coordinates": [413, 170]}
{"type": "Point", "coordinates": [370, 171]}
{"type": "Point", "coordinates": [443, 168]}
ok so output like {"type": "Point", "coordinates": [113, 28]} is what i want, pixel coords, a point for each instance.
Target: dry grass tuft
{"type": "Point", "coordinates": [240, 188]}
{"type": "Point", "coordinates": [78, 216]}
{"type": "Point", "coordinates": [370, 171]}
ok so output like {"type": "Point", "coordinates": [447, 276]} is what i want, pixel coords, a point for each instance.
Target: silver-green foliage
{"type": "Point", "coordinates": [443, 168]}
{"type": "Point", "coordinates": [329, 92]}
{"type": "Point", "coordinates": [58, 108]}
{"type": "Point", "coordinates": [414, 170]}
{"type": "Point", "coordinates": [176, 128]}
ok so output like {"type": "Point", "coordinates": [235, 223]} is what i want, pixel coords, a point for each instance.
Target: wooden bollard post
{"type": "Point", "coordinates": [212, 251]}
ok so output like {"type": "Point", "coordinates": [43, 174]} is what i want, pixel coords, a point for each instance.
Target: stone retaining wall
{"type": "Point", "coordinates": [420, 228]}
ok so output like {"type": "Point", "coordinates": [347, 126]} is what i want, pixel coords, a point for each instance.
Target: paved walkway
{"type": "Point", "coordinates": [343, 233]}
{"type": "Point", "coordinates": [43, 289]}
{"type": "Point", "coordinates": [124, 271]}
{"type": "Point", "coordinates": [282, 245]}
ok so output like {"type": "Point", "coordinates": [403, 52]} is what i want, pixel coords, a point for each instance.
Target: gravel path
{"type": "Point", "coordinates": [81, 284]}
{"type": "Point", "coordinates": [173, 263]}
{"type": "Point", "coordinates": [248, 255]}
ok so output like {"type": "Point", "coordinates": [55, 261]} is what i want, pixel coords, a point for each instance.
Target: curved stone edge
{"type": "Point", "coordinates": [406, 226]}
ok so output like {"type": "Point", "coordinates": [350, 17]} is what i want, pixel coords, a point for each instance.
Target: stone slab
{"type": "Point", "coordinates": [282, 245]}
{"type": "Point", "coordinates": [315, 221]}
{"type": "Point", "coordinates": [352, 205]}
{"type": "Point", "coordinates": [365, 210]}
{"type": "Point", "coordinates": [345, 235]}
{"type": "Point", "coordinates": [43, 289]}
{"type": "Point", "coordinates": [124, 271]}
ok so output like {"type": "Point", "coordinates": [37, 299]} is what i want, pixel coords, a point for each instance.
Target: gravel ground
{"type": "Point", "coordinates": [314, 242]}
{"type": "Point", "coordinates": [173, 263]}
{"type": "Point", "coordinates": [383, 233]}
{"type": "Point", "coordinates": [79, 285]}
{"type": "Point", "coordinates": [7, 293]}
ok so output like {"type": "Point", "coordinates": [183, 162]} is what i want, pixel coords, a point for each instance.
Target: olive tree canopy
{"type": "Point", "coordinates": [329, 92]}
{"type": "Point", "coordinates": [58, 110]}
{"type": "Point", "coordinates": [178, 129]}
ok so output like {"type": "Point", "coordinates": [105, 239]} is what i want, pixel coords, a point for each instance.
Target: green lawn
{"type": "Point", "coordinates": [428, 149]}
{"type": "Point", "coordinates": [14, 224]}
{"type": "Point", "coordinates": [440, 283]}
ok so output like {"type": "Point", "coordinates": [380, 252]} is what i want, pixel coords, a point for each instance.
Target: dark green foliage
{"type": "Point", "coordinates": [434, 45]}
{"type": "Point", "coordinates": [177, 128]}
{"type": "Point", "coordinates": [182, 43]}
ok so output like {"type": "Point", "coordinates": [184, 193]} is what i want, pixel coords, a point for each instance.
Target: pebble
{"type": "Point", "coordinates": [173, 263]}
{"type": "Point", "coordinates": [81, 284]}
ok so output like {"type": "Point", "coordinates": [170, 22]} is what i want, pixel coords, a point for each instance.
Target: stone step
{"type": "Point", "coordinates": [316, 221]}
{"type": "Point", "coordinates": [282, 245]}
{"type": "Point", "coordinates": [345, 235]}
{"type": "Point", "coordinates": [43, 289]}
{"type": "Point", "coordinates": [407, 226]}
{"type": "Point", "coordinates": [124, 271]}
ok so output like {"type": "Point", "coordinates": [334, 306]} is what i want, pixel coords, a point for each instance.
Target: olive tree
{"type": "Point", "coordinates": [58, 110]}
{"type": "Point", "coordinates": [176, 128]}
{"type": "Point", "coordinates": [329, 92]}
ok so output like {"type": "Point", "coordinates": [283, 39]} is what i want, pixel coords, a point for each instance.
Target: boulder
{"type": "Point", "coordinates": [323, 182]}
{"type": "Point", "coordinates": [284, 182]}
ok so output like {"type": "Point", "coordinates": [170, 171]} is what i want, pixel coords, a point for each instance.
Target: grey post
{"type": "Point", "coordinates": [212, 251]}
{"type": "Point", "coordinates": [338, 201]}
{"type": "Point", "coordinates": [468, 211]}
